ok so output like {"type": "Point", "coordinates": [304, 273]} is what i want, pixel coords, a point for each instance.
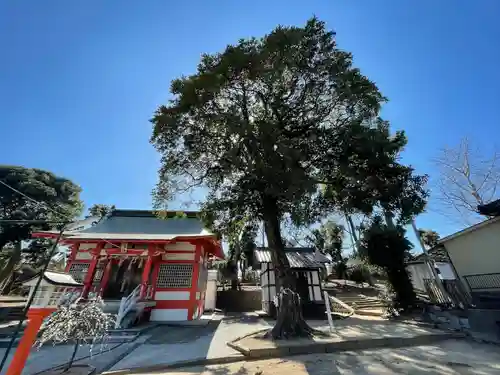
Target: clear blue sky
{"type": "Point", "coordinates": [80, 79]}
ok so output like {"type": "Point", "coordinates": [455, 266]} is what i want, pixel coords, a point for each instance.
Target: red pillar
{"type": "Point", "coordinates": [194, 287]}
{"type": "Point", "coordinates": [105, 276]}
{"type": "Point", "coordinates": [146, 271]}
{"type": "Point", "coordinates": [35, 320]}
{"type": "Point", "coordinates": [89, 277]}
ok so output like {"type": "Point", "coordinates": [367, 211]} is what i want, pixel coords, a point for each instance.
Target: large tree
{"type": "Point", "coordinates": [262, 125]}
{"type": "Point", "coordinates": [32, 194]}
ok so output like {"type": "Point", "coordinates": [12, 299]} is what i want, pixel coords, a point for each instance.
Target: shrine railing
{"type": "Point", "coordinates": [127, 304]}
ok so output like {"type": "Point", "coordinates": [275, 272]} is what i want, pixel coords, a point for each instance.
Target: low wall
{"type": "Point", "coordinates": [239, 300]}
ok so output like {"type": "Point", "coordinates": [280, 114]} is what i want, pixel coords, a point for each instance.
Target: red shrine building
{"type": "Point", "coordinates": [142, 266]}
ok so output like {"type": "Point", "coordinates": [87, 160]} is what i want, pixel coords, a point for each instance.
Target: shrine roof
{"type": "Point", "coordinates": [55, 278]}
{"type": "Point", "coordinates": [140, 225]}
{"type": "Point", "coordinates": [298, 257]}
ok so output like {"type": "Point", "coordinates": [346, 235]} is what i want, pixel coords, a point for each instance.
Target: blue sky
{"type": "Point", "coordinates": [80, 79]}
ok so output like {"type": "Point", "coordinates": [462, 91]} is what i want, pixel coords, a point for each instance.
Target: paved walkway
{"type": "Point", "coordinates": [169, 345]}
{"type": "Point", "coordinates": [448, 358]}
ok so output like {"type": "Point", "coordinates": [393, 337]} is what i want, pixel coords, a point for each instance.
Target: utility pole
{"type": "Point", "coordinates": [428, 260]}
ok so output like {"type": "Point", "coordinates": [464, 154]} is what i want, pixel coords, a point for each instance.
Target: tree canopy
{"type": "Point", "coordinates": [51, 198]}
{"type": "Point", "coordinates": [100, 210]}
{"type": "Point", "coordinates": [282, 126]}
{"type": "Point", "coordinates": [328, 239]}
{"type": "Point", "coordinates": [429, 237]}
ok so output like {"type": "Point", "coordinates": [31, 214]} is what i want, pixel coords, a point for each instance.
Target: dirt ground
{"type": "Point", "coordinates": [448, 358]}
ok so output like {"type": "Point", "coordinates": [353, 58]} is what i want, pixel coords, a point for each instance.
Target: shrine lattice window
{"type": "Point", "coordinates": [175, 276]}
{"type": "Point", "coordinates": [79, 271]}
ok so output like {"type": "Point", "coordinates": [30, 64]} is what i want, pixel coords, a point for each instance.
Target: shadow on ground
{"type": "Point", "coordinates": [449, 358]}
{"type": "Point", "coordinates": [181, 334]}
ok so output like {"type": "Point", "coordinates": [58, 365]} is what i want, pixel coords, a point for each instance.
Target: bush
{"type": "Point", "coordinates": [359, 274]}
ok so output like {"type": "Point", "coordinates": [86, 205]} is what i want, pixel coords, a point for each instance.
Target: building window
{"type": "Point", "coordinates": [78, 271]}
{"type": "Point", "coordinates": [175, 276]}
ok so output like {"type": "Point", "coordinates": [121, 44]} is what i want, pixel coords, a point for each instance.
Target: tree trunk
{"type": "Point", "coordinates": [290, 321]}
{"type": "Point", "coordinates": [402, 286]}
{"type": "Point", "coordinates": [8, 268]}
{"type": "Point", "coordinates": [72, 359]}
{"type": "Point", "coordinates": [389, 219]}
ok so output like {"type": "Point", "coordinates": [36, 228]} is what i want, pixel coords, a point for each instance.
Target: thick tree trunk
{"type": "Point", "coordinates": [13, 260]}
{"type": "Point", "coordinates": [290, 321]}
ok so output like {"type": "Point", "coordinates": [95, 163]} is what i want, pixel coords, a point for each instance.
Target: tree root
{"type": "Point", "coordinates": [290, 322]}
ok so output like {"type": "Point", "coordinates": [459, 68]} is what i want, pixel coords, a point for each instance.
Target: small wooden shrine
{"type": "Point", "coordinates": [305, 263]}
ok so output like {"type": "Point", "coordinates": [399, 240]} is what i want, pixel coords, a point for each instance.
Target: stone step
{"type": "Point", "coordinates": [367, 304]}
{"type": "Point", "coordinates": [370, 312]}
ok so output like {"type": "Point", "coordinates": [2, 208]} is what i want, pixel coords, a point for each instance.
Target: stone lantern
{"type": "Point", "coordinates": [55, 289]}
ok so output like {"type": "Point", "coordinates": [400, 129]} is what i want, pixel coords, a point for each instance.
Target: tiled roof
{"type": "Point", "coordinates": [298, 257]}
{"type": "Point", "coordinates": [55, 278]}
{"type": "Point", "coordinates": [135, 224]}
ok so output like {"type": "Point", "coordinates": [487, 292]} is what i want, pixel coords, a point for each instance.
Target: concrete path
{"type": "Point", "coordinates": [448, 358]}
{"type": "Point", "coordinates": [169, 345]}
{"type": "Point", "coordinates": [52, 356]}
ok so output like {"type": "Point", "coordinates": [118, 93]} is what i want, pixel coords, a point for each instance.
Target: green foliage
{"type": "Point", "coordinates": [328, 239]}
{"type": "Point", "coordinates": [280, 126]}
{"type": "Point", "coordinates": [359, 274]}
{"type": "Point", "coordinates": [429, 237]}
{"type": "Point", "coordinates": [57, 194]}
{"type": "Point", "coordinates": [249, 126]}
{"type": "Point", "coordinates": [389, 249]}
{"type": "Point", "coordinates": [100, 210]}
{"type": "Point", "coordinates": [51, 198]}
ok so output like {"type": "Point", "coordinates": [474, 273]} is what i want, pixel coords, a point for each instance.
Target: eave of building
{"type": "Point", "coordinates": [469, 230]}
{"type": "Point", "coordinates": [211, 245]}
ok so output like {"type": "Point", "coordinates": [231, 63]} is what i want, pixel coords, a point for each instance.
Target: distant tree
{"type": "Point", "coordinates": [328, 239]}
{"type": "Point", "coordinates": [387, 247]}
{"type": "Point", "coordinates": [468, 177]}
{"type": "Point", "coordinates": [240, 236]}
{"type": "Point", "coordinates": [100, 211]}
{"type": "Point", "coordinates": [429, 237]}
{"type": "Point", "coordinates": [263, 126]}
{"type": "Point", "coordinates": [51, 198]}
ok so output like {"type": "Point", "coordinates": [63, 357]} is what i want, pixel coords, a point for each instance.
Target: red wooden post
{"type": "Point", "coordinates": [194, 287]}
{"type": "Point", "coordinates": [89, 277]}
{"type": "Point", "coordinates": [105, 276]}
{"type": "Point", "coordinates": [146, 271]}
{"type": "Point", "coordinates": [35, 320]}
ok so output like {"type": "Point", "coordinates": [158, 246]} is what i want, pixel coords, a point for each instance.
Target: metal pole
{"type": "Point", "coordinates": [30, 299]}
{"type": "Point", "coordinates": [428, 260]}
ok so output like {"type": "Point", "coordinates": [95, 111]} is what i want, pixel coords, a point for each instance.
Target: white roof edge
{"type": "Point", "coordinates": [469, 229]}
{"type": "Point", "coordinates": [127, 236]}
